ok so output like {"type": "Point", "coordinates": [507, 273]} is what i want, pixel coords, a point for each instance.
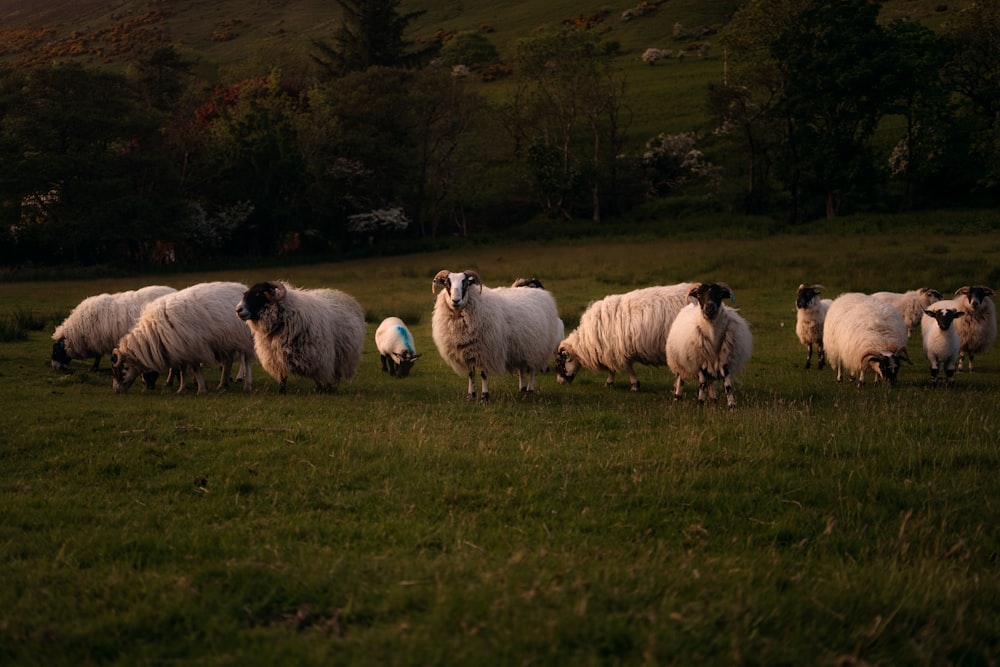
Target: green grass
{"type": "Point", "coordinates": [396, 523]}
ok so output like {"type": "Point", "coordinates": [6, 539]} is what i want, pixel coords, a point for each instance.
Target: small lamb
{"type": "Point", "coordinates": [395, 347]}
{"type": "Point", "coordinates": [810, 314]}
{"type": "Point", "coordinates": [940, 339]}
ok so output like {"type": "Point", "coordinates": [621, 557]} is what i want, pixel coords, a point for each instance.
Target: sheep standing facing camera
{"type": "Point", "coordinates": [709, 341]}
{"type": "Point", "coordinates": [316, 333]}
{"type": "Point", "coordinates": [493, 330]}
{"type": "Point", "coordinates": [810, 314]}
{"type": "Point", "coordinates": [978, 329]}
{"type": "Point", "coordinates": [940, 338]}
{"type": "Point", "coordinates": [395, 347]}
{"type": "Point", "coordinates": [861, 333]}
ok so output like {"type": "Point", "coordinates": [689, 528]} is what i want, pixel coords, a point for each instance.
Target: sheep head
{"type": "Point", "coordinates": [709, 297]}
{"type": "Point", "coordinates": [457, 286]}
{"type": "Point", "coordinates": [123, 371]}
{"type": "Point", "coordinates": [567, 366]}
{"type": "Point", "coordinates": [944, 316]}
{"type": "Point", "coordinates": [886, 364]}
{"type": "Point", "coordinates": [806, 295]}
{"type": "Point", "coordinates": [258, 297]}
{"type": "Point", "coordinates": [976, 294]}
{"type": "Point", "coordinates": [60, 358]}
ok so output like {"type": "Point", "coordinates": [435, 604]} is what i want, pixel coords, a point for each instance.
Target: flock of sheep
{"type": "Point", "coordinates": [319, 333]}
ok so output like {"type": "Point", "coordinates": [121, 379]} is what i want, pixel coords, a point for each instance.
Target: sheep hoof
{"type": "Point", "coordinates": [486, 397]}
{"type": "Point", "coordinates": [635, 386]}
{"type": "Point", "coordinates": [470, 397]}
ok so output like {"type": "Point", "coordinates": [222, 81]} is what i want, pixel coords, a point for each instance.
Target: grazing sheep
{"type": "Point", "coordinates": [940, 339]}
{"type": "Point", "coordinates": [188, 328]}
{"type": "Point", "coordinates": [621, 329]}
{"type": "Point", "coordinates": [911, 304]}
{"type": "Point", "coordinates": [97, 323]}
{"type": "Point", "coordinates": [978, 329]}
{"type": "Point", "coordinates": [810, 313]}
{"type": "Point", "coordinates": [316, 333]}
{"type": "Point", "coordinates": [863, 332]}
{"type": "Point", "coordinates": [494, 330]}
{"type": "Point", "coordinates": [708, 340]}
{"type": "Point", "coordinates": [395, 347]}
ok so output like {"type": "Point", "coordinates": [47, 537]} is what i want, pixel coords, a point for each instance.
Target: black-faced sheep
{"type": "Point", "coordinates": [863, 332]}
{"type": "Point", "coordinates": [810, 313]}
{"type": "Point", "coordinates": [978, 329]}
{"type": "Point", "coordinates": [315, 333]}
{"type": "Point", "coordinates": [186, 329]}
{"type": "Point", "coordinates": [97, 323]}
{"type": "Point", "coordinates": [396, 348]}
{"type": "Point", "coordinates": [493, 330]}
{"type": "Point", "coordinates": [708, 340]}
{"type": "Point", "coordinates": [911, 304]}
{"type": "Point", "coordinates": [940, 338]}
{"type": "Point", "coordinates": [620, 330]}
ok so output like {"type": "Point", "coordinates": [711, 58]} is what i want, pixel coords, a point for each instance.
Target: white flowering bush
{"type": "Point", "coordinates": [210, 232]}
{"type": "Point", "coordinates": [672, 161]}
{"type": "Point", "coordinates": [378, 220]}
{"type": "Point", "coordinates": [651, 55]}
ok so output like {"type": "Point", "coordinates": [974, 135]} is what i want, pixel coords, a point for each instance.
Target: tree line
{"type": "Point", "coordinates": [824, 110]}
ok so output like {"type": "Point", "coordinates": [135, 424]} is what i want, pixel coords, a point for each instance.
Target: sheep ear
{"type": "Point", "coordinates": [903, 354]}
{"type": "Point", "coordinates": [440, 279]}
{"type": "Point", "coordinates": [116, 358]}
{"type": "Point", "coordinates": [474, 279]}
{"type": "Point", "coordinates": [729, 290]}
{"type": "Point", "coordinates": [962, 290]}
{"type": "Point", "coordinates": [818, 288]}
{"type": "Point", "coordinates": [280, 291]}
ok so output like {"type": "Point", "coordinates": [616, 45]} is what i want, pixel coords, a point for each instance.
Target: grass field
{"type": "Point", "coordinates": [394, 523]}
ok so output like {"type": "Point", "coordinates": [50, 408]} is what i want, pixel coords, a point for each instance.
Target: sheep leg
{"type": "Point", "coordinates": [529, 385]}
{"type": "Point", "coordinates": [181, 379]}
{"type": "Point", "coordinates": [703, 384]}
{"type": "Point", "coordinates": [809, 356]}
{"type": "Point", "coordinates": [934, 372]}
{"type": "Point", "coordinates": [678, 383]}
{"type": "Point", "coordinates": [486, 389]}
{"type": "Point", "coordinates": [199, 377]}
{"type": "Point", "coordinates": [247, 372]}
{"type": "Point", "coordinates": [471, 394]}
{"type": "Point", "coordinates": [97, 364]}
{"type": "Point", "coordinates": [822, 357]}
{"type": "Point", "coordinates": [727, 382]}
{"type": "Point", "coordinates": [631, 376]}
{"type": "Point", "coordinates": [610, 379]}
{"type": "Point", "coordinates": [385, 366]}
{"type": "Point", "coordinates": [227, 369]}
{"type": "Point", "coordinates": [281, 384]}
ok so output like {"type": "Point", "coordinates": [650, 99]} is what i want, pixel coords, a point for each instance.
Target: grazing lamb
{"type": "Point", "coordinates": [494, 330]}
{"type": "Point", "coordinates": [810, 313]}
{"type": "Point", "coordinates": [98, 322]}
{"type": "Point", "coordinates": [863, 332]}
{"type": "Point", "coordinates": [940, 339]}
{"type": "Point", "coordinates": [978, 329]}
{"type": "Point", "coordinates": [911, 304]}
{"type": "Point", "coordinates": [708, 340]}
{"type": "Point", "coordinates": [315, 333]}
{"type": "Point", "coordinates": [395, 347]}
{"type": "Point", "coordinates": [188, 328]}
{"type": "Point", "coordinates": [621, 329]}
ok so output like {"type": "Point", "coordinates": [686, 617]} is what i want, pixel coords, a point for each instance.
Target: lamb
{"type": "Point", "coordinates": [621, 329]}
{"type": "Point", "coordinates": [940, 339]}
{"type": "Point", "coordinates": [187, 328]}
{"type": "Point", "coordinates": [977, 331]}
{"type": "Point", "coordinates": [810, 313]}
{"type": "Point", "coordinates": [315, 333]}
{"type": "Point", "coordinates": [708, 340]}
{"type": "Point", "coordinates": [494, 330]}
{"type": "Point", "coordinates": [96, 324]}
{"type": "Point", "coordinates": [395, 347]}
{"type": "Point", "coordinates": [863, 332]}
{"type": "Point", "coordinates": [911, 304]}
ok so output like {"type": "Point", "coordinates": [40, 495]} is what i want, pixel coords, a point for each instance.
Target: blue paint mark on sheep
{"type": "Point", "coordinates": [404, 334]}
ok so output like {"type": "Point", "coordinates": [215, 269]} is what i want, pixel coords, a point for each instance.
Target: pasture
{"type": "Point", "coordinates": [395, 523]}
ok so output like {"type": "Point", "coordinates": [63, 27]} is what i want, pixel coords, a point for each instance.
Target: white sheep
{"type": "Point", "coordinates": [810, 313]}
{"type": "Point", "coordinates": [621, 329]}
{"type": "Point", "coordinates": [978, 329]}
{"type": "Point", "coordinates": [709, 341]}
{"type": "Point", "coordinates": [315, 333]}
{"type": "Point", "coordinates": [395, 347]}
{"type": "Point", "coordinates": [186, 329]}
{"type": "Point", "coordinates": [494, 330]}
{"type": "Point", "coordinates": [863, 332]}
{"type": "Point", "coordinates": [941, 342]}
{"type": "Point", "coordinates": [97, 323]}
{"type": "Point", "coordinates": [911, 304]}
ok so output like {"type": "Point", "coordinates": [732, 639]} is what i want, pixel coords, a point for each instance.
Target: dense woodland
{"type": "Point", "coordinates": [825, 110]}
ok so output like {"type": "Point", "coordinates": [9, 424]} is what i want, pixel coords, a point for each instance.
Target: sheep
{"type": "Point", "coordinates": [978, 329]}
{"type": "Point", "coordinates": [494, 330]}
{"type": "Point", "coordinates": [315, 333]}
{"type": "Point", "coordinates": [619, 330]}
{"type": "Point", "coordinates": [708, 340]}
{"type": "Point", "coordinates": [911, 303]}
{"type": "Point", "coordinates": [96, 324]}
{"type": "Point", "coordinates": [810, 313]}
{"type": "Point", "coordinates": [395, 347]}
{"type": "Point", "coordinates": [941, 342]}
{"type": "Point", "coordinates": [187, 328]}
{"type": "Point", "coordinates": [863, 332]}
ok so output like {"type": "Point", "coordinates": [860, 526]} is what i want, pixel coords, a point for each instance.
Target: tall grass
{"type": "Point", "coordinates": [396, 523]}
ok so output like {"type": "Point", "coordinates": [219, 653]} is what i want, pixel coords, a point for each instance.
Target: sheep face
{"type": "Point", "coordinates": [976, 295]}
{"type": "Point", "coordinates": [60, 359]}
{"type": "Point", "coordinates": [709, 298]}
{"type": "Point", "coordinates": [402, 363]}
{"type": "Point", "coordinates": [807, 295]}
{"type": "Point", "coordinates": [944, 317]}
{"type": "Point", "coordinates": [458, 286]}
{"type": "Point", "coordinates": [567, 366]}
{"type": "Point", "coordinates": [257, 299]}
{"type": "Point", "coordinates": [886, 365]}
{"type": "Point", "coordinates": [123, 371]}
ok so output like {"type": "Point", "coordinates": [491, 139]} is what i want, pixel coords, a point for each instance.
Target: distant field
{"type": "Point", "coordinates": [394, 523]}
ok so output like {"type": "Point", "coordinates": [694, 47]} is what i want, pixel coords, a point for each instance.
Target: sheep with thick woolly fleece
{"type": "Point", "coordinates": [708, 340]}
{"type": "Point", "coordinates": [810, 314]}
{"type": "Point", "coordinates": [911, 304]}
{"type": "Point", "coordinates": [493, 330]}
{"type": "Point", "coordinates": [186, 329]}
{"type": "Point", "coordinates": [940, 338]}
{"type": "Point", "coordinates": [621, 329]}
{"type": "Point", "coordinates": [978, 329]}
{"type": "Point", "coordinates": [97, 323]}
{"type": "Point", "coordinates": [395, 347]}
{"type": "Point", "coordinates": [315, 333]}
{"type": "Point", "coordinates": [863, 332]}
